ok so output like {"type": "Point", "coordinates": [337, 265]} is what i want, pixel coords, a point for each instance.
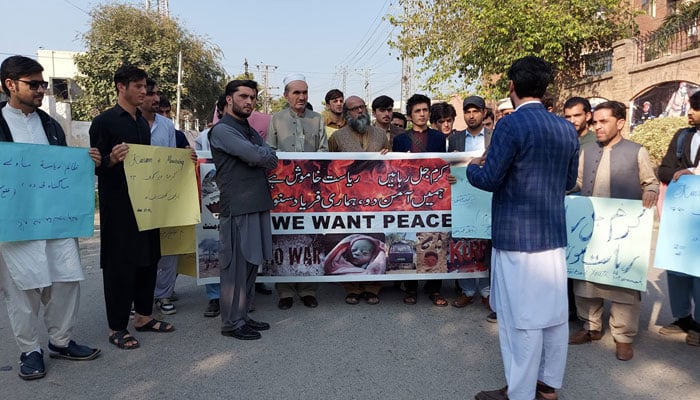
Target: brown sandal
{"type": "Point", "coordinates": [438, 300]}
{"type": "Point", "coordinates": [410, 297]}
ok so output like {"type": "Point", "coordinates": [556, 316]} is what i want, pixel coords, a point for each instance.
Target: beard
{"type": "Point", "coordinates": [360, 124]}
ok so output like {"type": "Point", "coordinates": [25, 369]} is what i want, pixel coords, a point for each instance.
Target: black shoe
{"type": "Point", "coordinates": [213, 308]}
{"type": "Point", "coordinates": [243, 333]}
{"type": "Point", "coordinates": [73, 351]}
{"type": "Point", "coordinates": [493, 317]}
{"type": "Point", "coordinates": [31, 366]}
{"type": "Point", "coordinates": [310, 301]}
{"type": "Point", "coordinates": [258, 326]}
{"type": "Point", "coordinates": [262, 289]}
{"type": "Point", "coordinates": [285, 303]}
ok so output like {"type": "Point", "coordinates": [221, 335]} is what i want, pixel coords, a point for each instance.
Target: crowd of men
{"type": "Point", "coordinates": [529, 159]}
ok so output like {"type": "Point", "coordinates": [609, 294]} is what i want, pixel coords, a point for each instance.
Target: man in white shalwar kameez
{"type": "Point", "coordinates": [36, 272]}
{"type": "Point", "coordinates": [532, 161]}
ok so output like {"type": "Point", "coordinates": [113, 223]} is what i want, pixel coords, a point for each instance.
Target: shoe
{"type": "Point", "coordinates": [352, 299]}
{"type": "Point", "coordinates": [173, 297]}
{"type": "Point", "coordinates": [31, 366]}
{"type": "Point", "coordinates": [73, 351]}
{"type": "Point", "coordinates": [165, 306]}
{"type": "Point", "coordinates": [545, 392]}
{"type": "Point", "coordinates": [243, 333]}
{"type": "Point", "coordinates": [438, 300]}
{"type": "Point", "coordinates": [500, 394]}
{"type": "Point", "coordinates": [213, 308]}
{"type": "Point", "coordinates": [262, 289]}
{"type": "Point", "coordinates": [485, 302]}
{"type": "Point", "coordinates": [681, 325]}
{"type": "Point", "coordinates": [462, 300]}
{"type": "Point", "coordinates": [493, 317]}
{"type": "Point", "coordinates": [285, 303]}
{"type": "Point", "coordinates": [624, 351]}
{"type": "Point", "coordinates": [132, 313]}
{"type": "Point", "coordinates": [693, 338]}
{"type": "Point", "coordinates": [584, 336]}
{"type": "Point", "coordinates": [309, 301]}
{"type": "Point", "coordinates": [258, 326]}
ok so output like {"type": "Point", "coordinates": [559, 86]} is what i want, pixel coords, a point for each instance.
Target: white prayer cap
{"type": "Point", "coordinates": [293, 77]}
{"type": "Point", "coordinates": [504, 104]}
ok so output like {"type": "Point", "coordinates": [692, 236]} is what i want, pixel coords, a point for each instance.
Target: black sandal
{"type": "Point", "coordinates": [352, 298]}
{"type": "Point", "coordinates": [411, 297]}
{"type": "Point", "coordinates": [150, 326]}
{"type": "Point", "coordinates": [124, 342]}
{"type": "Point", "coordinates": [371, 298]}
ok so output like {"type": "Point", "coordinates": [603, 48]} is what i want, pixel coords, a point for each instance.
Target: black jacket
{"type": "Point", "coordinates": [54, 132]}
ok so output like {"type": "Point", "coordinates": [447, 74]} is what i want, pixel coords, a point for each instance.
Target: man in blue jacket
{"type": "Point", "coordinates": [532, 161]}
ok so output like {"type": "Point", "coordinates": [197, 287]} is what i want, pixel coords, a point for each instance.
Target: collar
{"type": "Point", "coordinates": [527, 103]}
{"type": "Point", "coordinates": [17, 111]}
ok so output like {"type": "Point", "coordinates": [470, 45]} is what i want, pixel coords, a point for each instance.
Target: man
{"type": "Point", "coordinates": [333, 117]}
{"type": "Point", "coordinates": [421, 139]}
{"type": "Point", "coordinates": [359, 136]}
{"type": "Point", "coordinates": [577, 110]}
{"type": "Point", "coordinates": [242, 159]}
{"type": "Point", "coordinates": [532, 160]}
{"type": "Point", "coordinates": [36, 272]}
{"type": "Point", "coordinates": [164, 109]}
{"type": "Point", "coordinates": [681, 159]}
{"type": "Point", "coordinates": [442, 119]}
{"type": "Point", "coordinates": [489, 119]}
{"type": "Point", "coordinates": [475, 139]}
{"type": "Point", "coordinates": [128, 257]}
{"type": "Point", "coordinates": [382, 111]}
{"type": "Point", "coordinates": [201, 142]}
{"type": "Point", "coordinates": [618, 168]}
{"type": "Point", "coordinates": [398, 120]}
{"type": "Point", "coordinates": [297, 129]}
{"type": "Point", "coordinates": [162, 134]}
{"type": "Point", "coordinates": [646, 113]}
{"type": "Point", "coordinates": [504, 107]}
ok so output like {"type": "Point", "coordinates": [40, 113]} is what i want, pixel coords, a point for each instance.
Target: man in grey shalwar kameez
{"type": "Point", "coordinates": [242, 158]}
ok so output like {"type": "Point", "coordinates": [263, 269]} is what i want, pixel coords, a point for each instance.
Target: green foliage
{"type": "Point", "coordinates": [683, 22]}
{"type": "Point", "coordinates": [656, 134]}
{"type": "Point", "coordinates": [122, 34]}
{"type": "Point", "coordinates": [475, 41]}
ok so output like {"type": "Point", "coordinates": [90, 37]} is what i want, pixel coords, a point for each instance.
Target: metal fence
{"type": "Point", "coordinates": [665, 42]}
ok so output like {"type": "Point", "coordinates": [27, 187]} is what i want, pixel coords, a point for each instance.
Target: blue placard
{"type": "Point", "coordinates": [678, 245]}
{"type": "Point", "coordinates": [46, 192]}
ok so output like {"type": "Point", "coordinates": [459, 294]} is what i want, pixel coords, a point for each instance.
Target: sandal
{"type": "Point", "coordinates": [124, 340]}
{"type": "Point", "coordinates": [438, 300]}
{"type": "Point", "coordinates": [371, 298]}
{"type": "Point", "coordinates": [545, 392]}
{"type": "Point", "coordinates": [410, 297]}
{"type": "Point", "coordinates": [352, 298]}
{"type": "Point", "coordinates": [150, 326]}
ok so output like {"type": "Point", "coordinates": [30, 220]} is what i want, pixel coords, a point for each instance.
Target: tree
{"type": "Point", "coordinates": [122, 34]}
{"type": "Point", "coordinates": [475, 41]}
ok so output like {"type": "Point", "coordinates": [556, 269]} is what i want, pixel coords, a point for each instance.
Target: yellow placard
{"type": "Point", "coordinates": [162, 186]}
{"type": "Point", "coordinates": [187, 264]}
{"type": "Point", "coordinates": [177, 240]}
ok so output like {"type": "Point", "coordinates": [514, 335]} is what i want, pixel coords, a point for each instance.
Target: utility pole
{"type": "Point", "coordinates": [368, 93]}
{"type": "Point", "coordinates": [245, 67]}
{"type": "Point", "coordinates": [266, 97]}
{"type": "Point", "coordinates": [343, 72]}
{"type": "Point", "coordinates": [406, 80]}
{"type": "Point", "coordinates": [178, 90]}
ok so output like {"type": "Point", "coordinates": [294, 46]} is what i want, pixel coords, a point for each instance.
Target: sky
{"type": "Point", "coordinates": [316, 38]}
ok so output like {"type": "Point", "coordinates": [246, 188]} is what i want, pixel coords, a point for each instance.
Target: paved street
{"type": "Point", "coordinates": [337, 351]}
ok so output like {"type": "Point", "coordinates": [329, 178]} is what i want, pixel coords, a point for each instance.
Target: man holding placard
{"type": "Point", "coordinates": [36, 272]}
{"type": "Point", "coordinates": [128, 257]}
{"type": "Point", "coordinates": [618, 168]}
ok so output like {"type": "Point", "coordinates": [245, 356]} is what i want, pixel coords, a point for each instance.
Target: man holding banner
{"type": "Point", "coordinates": [128, 257]}
{"type": "Point", "coordinates": [682, 158]}
{"type": "Point", "coordinates": [242, 158]}
{"type": "Point", "coordinates": [532, 161]}
{"type": "Point", "coordinates": [36, 272]}
{"type": "Point", "coordinates": [618, 168]}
